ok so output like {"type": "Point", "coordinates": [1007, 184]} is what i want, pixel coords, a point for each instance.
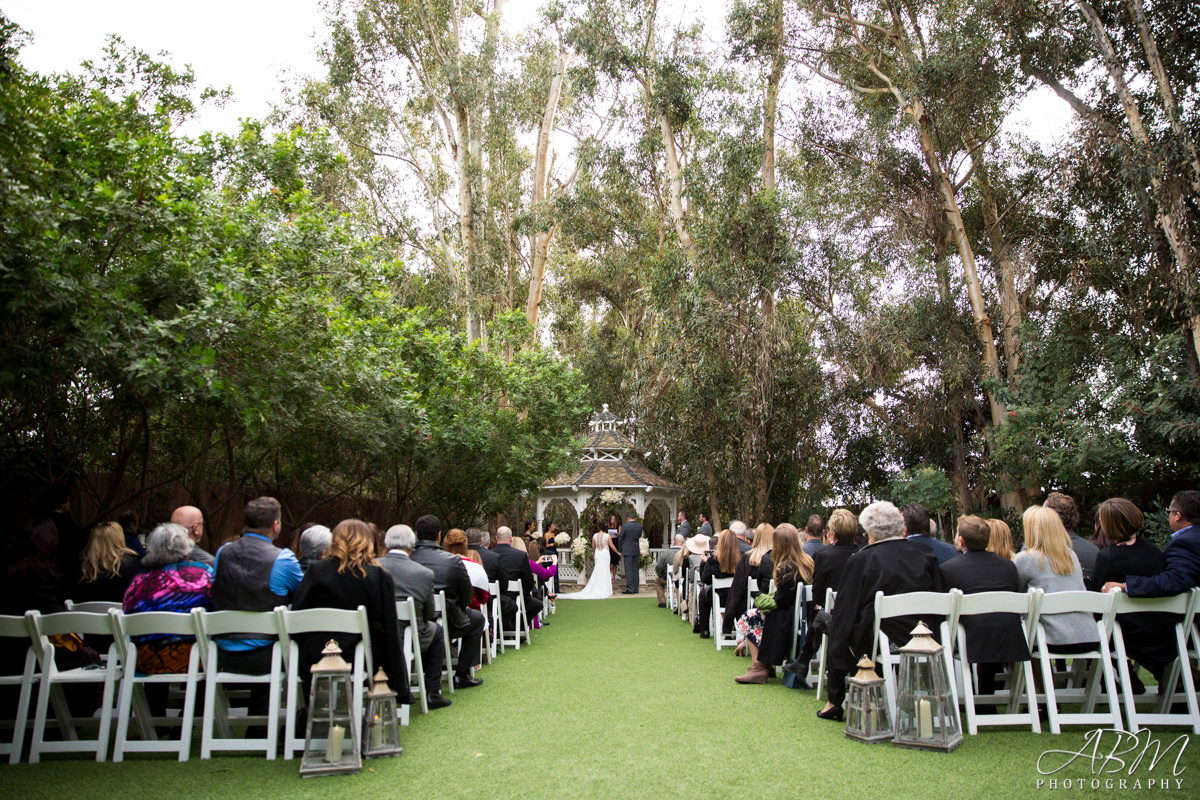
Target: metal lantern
{"type": "Point", "coordinates": [926, 711]}
{"type": "Point", "coordinates": [381, 728]}
{"type": "Point", "coordinates": [331, 738]}
{"type": "Point", "coordinates": [867, 717]}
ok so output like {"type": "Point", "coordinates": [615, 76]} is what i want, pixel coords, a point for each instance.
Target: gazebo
{"type": "Point", "coordinates": [611, 470]}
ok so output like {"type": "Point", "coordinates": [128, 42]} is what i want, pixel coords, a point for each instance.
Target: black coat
{"type": "Point", "coordinates": [450, 576]}
{"type": "Point", "coordinates": [828, 565]}
{"type": "Point", "coordinates": [738, 601]}
{"type": "Point", "coordinates": [991, 638]}
{"type": "Point", "coordinates": [779, 626]}
{"type": "Point", "coordinates": [491, 563]}
{"type": "Point", "coordinates": [514, 568]}
{"type": "Point", "coordinates": [1148, 636]}
{"type": "Point", "coordinates": [324, 587]}
{"type": "Point", "coordinates": [893, 566]}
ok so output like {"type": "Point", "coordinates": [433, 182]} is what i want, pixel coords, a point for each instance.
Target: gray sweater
{"type": "Point", "coordinates": [1034, 571]}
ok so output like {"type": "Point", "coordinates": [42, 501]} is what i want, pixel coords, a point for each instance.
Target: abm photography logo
{"type": "Point", "coordinates": [1116, 760]}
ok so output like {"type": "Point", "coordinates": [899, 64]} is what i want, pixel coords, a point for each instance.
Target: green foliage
{"type": "Point", "coordinates": [925, 485]}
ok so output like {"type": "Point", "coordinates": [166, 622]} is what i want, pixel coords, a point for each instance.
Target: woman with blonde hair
{"type": "Point", "coordinates": [772, 643]}
{"type": "Point", "coordinates": [1000, 541]}
{"type": "Point", "coordinates": [1049, 563]}
{"type": "Point", "coordinates": [349, 577]}
{"type": "Point", "coordinates": [107, 565]}
{"type": "Point", "coordinates": [754, 565]}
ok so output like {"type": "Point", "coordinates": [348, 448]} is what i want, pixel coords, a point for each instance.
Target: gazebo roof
{"type": "Point", "coordinates": [611, 460]}
{"type": "Point", "coordinates": [605, 474]}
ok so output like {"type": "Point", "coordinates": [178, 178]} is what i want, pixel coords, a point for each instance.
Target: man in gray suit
{"type": "Point", "coordinates": [416, 581]}
{"type": "Point", "coordinates": [685, 527]}
{"type": "Point", "coordinates": [628, 544]}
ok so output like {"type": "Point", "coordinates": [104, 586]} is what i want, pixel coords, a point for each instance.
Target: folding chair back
{"type": "Point", "coordinates": [14, 636]}
{"type": "Point", "coordinates": [406, 615]}
{"type": "Point", "coordinates": [50, 692]}
{"type": "Point", "coordinates": [1165, 696]}
{"type": "Point", "coordinates": [1020, 681]}
{"type": "Point", "coordinates": [919, 604]}
{"type": "Point", "coordinates": [127, 627]}
{"type": "Point", "coordinates": [1101, 607]}
{"type": "Point", "coordinates": [217, 733]}
{"type": "Point", "coordinates": [324, 620]}
{"type": "Point", "coordinates": [718, 614]}
{"type": "Point", "coordinates": [439, 603]}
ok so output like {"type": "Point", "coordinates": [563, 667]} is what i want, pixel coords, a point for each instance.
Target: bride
{"type": "Point", "coordinates": [599, 585]}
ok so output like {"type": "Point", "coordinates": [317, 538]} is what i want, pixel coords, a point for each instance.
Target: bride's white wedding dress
{"type": "Point", "coordinates": [599, 585]}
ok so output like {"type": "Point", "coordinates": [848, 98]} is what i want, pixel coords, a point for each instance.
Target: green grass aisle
{"type": "Point", "coordinates": [617, 699]}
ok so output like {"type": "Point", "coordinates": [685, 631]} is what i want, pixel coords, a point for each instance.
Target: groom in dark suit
{"type": "Point", "coordinates": [628, 544]}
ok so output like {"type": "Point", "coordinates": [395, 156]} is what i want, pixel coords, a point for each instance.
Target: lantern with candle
{"type": "Point", "coordinates": [926, 709]}
{"type": "Point", "coordinates": [867, 717]}
{"type": "Point", "coordinates": [331, 738]}
{"type": "Point", "coordinates": [382, 724]}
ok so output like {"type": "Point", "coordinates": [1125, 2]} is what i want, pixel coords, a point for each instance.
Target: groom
{"type": "Point", "coordinates": [628, 544]}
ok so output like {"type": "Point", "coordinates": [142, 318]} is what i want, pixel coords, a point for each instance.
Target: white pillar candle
{"type": "Point", "coordinates": [924, 719]}
{"type": "Point", "coordinates": [333, 749]}
{"type": "Point", "coordinates": [377, 732]}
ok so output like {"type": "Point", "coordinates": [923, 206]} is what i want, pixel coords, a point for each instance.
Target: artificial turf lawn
{"type": "Point", "coordinates": [618, 699]}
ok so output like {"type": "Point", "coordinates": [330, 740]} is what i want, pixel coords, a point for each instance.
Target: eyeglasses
{"type": "Point", "coordinates": [1172, 511]}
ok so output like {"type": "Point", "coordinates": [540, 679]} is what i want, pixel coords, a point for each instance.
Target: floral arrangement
{"type": "Point", "coordinates": [643, 552]}
{"type": "Point", "coordinates": [612, 496]}
{"type": "Point", "coordinates": [562, 539]}
{"type": "Point", "coordinates": [579, 552]}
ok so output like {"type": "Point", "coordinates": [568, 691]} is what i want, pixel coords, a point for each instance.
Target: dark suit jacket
{"type": "Point", "coordinates": [1149, 637]}
{"type": "Point", "coordinates": [627, 541]}
{"type": "Point", "coordinates": [991, 638]}
{"type": "Point", "coordinates": [893, 566]}
{"type": "Point", "coordinates": [828, 565]}
{"type": "Point", "coordinates": [514, 568]}
{"type": "Point", "coordinates": [416, 581]}
{"type": "Point", "coordinates": [1181, 568]}
{"type": "Point", "coordinates": [451, 576]}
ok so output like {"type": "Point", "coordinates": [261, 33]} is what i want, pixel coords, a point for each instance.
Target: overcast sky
{"type": "Point", "coordinates": [253, 45]}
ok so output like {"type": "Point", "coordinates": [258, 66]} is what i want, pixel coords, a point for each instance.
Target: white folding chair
{"type": "Point", "coordinates": [324, 620]}
{"type": "Point", "coordinates": [522, 625]}
{"type": "Point", "coordinates": [718, 614]}
{"type": "Point", "coordinates": [50, 692]}
{"type": "Point", "coordinates": [672, 589]}
{"type": "Point", "coordinates": [126, 627]}
{"type": "Point", "coordinates": [406, 615]}
{"type": "Point", "coordinates": [1020, 681]}
{"type": "Point", "coordinates": [800, 617]}
{"type": "Point", "coordinates": [439, 603]}
{"type": "Point", "coordinates": [495, 639]}
{"type": "Point", "coordinates": [1164, 696]}
{"type": "Point", "coordinates": [14, 635]}
{"type": "Point", "coordinates": [1091, 603]}
{"type": "Point", "coordinates": [830, 597]}
{"type": "Point", "coordinates": [919, 604]}
{"type": "Point", "coordinates": [217, 733]}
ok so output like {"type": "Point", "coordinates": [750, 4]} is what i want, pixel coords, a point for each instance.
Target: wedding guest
{"type": "Point", "coordinates": [889, 563]}
{"type": "Point", "coordinates": [721, 564]}
{"type": "Point", "coordinates": [918, 529]}
{"type": "Point", "coordinates": [1049, 563]}
{"type": "Point", "coordinates": [814, 534]}
{"type": "Point", "coordinates": [477, 543]}
{"type": "Point", "coordinates": [754, 566]}
{"type": "Point", "coordinates": [349, 577]}
{"type": "Point", "coordinates": [108, 565]}
{"type": "Point", "coordinates": [666, 557]}
{"type": "Point", "coordinates": [450, 575]}
{"type": "Point", "coordinates": [314, 541]}
{"type": "Point", "coordinates": [1000, 539]}
{"type": "Point", "coordinates": [1181, 567]}
{"type": "Point", "coordinates": [131, 525]}
{"type": "Point", "coordinates": [993, 640]}
{"type": "Point", "coordinates": [770, 646]}
{"type": "Point", "coordinates": [455, 543]}
{"type": "Point", "coordinates": [1068, 514]}
{"type": "Point", "coordinates": [828, 565]}
{"type": "Point", "coordinates": [1149, 638]}
{"type": "Point", "coordinates": [170, 580]}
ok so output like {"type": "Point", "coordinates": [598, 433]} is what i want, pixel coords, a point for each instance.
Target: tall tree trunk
{"type": "Point", "coordinates": [539, 241]}
{"type": "Point", "coordinates": [1002, 258]}
{"type": "Point", "coordinates": [1167, 195]}
{"type": "Point", "coordinates": [771, 100]}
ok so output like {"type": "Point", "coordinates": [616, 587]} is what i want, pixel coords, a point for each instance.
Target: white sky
{"type": "Point", "coordinates": [253, 45]}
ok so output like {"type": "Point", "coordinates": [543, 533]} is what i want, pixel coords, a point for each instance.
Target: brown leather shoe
{"type": "Point", "coordinates": [757, 673]}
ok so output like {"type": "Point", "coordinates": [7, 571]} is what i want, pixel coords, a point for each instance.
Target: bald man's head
{"type": "Point", "coordinates": [192, 519]}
